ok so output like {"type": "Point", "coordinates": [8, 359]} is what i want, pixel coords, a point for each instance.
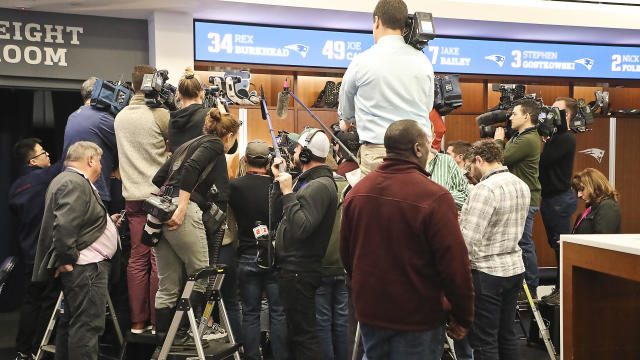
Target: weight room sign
{"type": "Point", "coordinates": [45, 39]}
{"type": "Point", "coordinates": [61, 46]}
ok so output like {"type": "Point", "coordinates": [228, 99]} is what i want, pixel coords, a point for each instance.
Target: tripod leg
{"type": "Point", "coordinates": [50, 326]}
{"type": "Point", "coordinates": [544, 331]}
{"type": "Point", "coordinates": [114, 318]}
{"type": "Point", "coordinates": [356, 343]}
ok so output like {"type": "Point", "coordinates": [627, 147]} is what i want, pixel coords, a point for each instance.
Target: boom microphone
{"type": "Point", "coordinates": [493, 117]}
{"type": "Point", "coordinates": [283, 102]}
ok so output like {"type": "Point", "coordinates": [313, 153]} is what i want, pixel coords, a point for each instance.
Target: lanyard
{"type": "Point", "coordinates": [584, 214]}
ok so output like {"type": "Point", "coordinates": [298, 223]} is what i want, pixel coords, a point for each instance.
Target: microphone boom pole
{"type": "Point", "coordinates": [342, 146]}
{"type": "Point", "coordinates": [266, 116]}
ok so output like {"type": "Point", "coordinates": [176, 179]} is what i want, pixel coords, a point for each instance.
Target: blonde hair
{"type": "Point", "coordinates": [189, 85]}
{"type": "Point", "coordinates": [82, 150]}
{"type": "Point", "coordinates": [594, 185]}
{"type": "Point", "coordinates": [220, 124]}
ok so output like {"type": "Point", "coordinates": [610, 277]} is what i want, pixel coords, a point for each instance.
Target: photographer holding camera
{"type": "Point", "coordinates": [559, 201]}
{"type": "Point", "coordinates": [141, 134]}
{"type": "Point", "coordinates": [388, 82]}
{"type": "Point", "coordinates": [522, 157]}
{"type": "Point", "coordinates": [183, 243]}
{"type": "Point", "coordinates": [308, 207]}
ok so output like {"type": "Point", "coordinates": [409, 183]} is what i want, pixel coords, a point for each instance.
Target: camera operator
{"type": "Point", "coordinates": [388, 82]}
{"type": "Point", "coordinates": [89, 124]}
{"type": "Point", "coordinates": [401, 245]}
{"type": "Point", "coordinates": [492, 222]}
{"type": "Point", "coordinates": [351, 140]}
{"type": "Point", "coordinates": [186, 124]}
{"type": "Point", "coordinates": [522, 157]}
{"type": "Point", "coordinates": [26, 205]}
{"type": "Point", "coordinates": [249, 200]}
{"type": "Point", "coordinates": [308, 207]}
{"type": "Point", "coordinates": [559, 202]}
{"type": "Point", "coordinates": [183, 244]}
{"type": "Point", "coordinates": [141, 133]}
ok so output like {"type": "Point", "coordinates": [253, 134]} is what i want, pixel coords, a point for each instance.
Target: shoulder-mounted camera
{"type": "Point", "coordinates": [419, 30]}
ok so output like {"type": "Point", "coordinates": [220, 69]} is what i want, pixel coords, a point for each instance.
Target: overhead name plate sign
{"type": "Point", "coordinates": [251, 44]}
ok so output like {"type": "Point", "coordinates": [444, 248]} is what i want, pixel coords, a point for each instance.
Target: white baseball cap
{"type": "Point", "coordinates": [319, 144]}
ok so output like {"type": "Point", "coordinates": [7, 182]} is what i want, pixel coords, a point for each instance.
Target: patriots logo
{"type": "Point", "coordinates": [588, 63]}
{"type": "Point", "coordinates": [498, 59]}
{"type": "Point", "coordinates": [299, 48]}
{"type": "Point", "coordinates": [596, 153]}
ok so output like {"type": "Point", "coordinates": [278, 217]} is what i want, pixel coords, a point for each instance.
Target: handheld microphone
{"type": "Point", "coordinates": [264, 257]}
{"type": "Point", "coordinates": [493, 117]}
{"type": "Point", "coordinates": [283, 102]}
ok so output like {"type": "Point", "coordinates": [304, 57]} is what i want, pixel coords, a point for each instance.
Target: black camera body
{"type": "Point", "coordinates": [214, 97]}
{"type": "Point", "coordinates": [447, 95]}
{"type": "Point", "coordinates": [160, 207]}
{"type": "Point", "coordinates": [419, 30]}
{"type": "Point", "coordinates": [109, 96]}
{"type": "Point", "coordinates": [158, 92]}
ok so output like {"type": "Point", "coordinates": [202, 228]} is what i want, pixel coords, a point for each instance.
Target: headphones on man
{"type": "Point", "coordinates": [305, 154]}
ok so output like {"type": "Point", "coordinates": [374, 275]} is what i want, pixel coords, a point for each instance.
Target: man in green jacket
{"type": "Point", "coordinates": [522, 157]}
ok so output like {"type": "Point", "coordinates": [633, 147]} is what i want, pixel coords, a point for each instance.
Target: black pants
{"type": "Point", "coordinates": [298, 297]}
{"type": "Point", "coordinates": [39, 300]}
{"type": "Point", "coordinates": [493, 334]}
{"type": "Point", "coordinates": [85, 301]}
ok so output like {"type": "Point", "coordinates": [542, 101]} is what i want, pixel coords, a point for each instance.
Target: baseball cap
{"type": "Point", "coordinates": [319, 144]}
{"type": "Point", "coordinates": [293, 137]}
{"type": "Point", "coordinates": [257, 149]}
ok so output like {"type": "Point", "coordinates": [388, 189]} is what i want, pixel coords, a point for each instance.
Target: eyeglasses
{"type": "Point", "coordinates": [42, 153]}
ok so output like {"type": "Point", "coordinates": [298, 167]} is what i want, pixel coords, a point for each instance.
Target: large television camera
{"type": "Point", "coordinates": [287, 147]}
{"type": "Point", "coordinates": [158, 92]}
{"type": "Point", "coordinates": [419, 30]}
{"type": "Point", "coordinates": [235, 86]}
{"type": "Point", "coordinates": [549, 118]}
{"type": "Point", "coordinates": [214, 97]}
{"type": "Point", "coordinates": [110, 96]}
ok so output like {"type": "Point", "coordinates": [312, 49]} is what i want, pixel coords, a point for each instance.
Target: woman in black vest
{"type": "Point", "coordinates": [602, 214]}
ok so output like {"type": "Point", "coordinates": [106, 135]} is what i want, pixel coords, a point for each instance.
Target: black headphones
{"type": "Point", "coordinates": [305, 154]}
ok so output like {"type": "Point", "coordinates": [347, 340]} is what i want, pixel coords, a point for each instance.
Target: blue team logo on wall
{"type": "Point", "coordinates": [498, 59]}
{"type": "Point", "coordinates": [299, 48]}
{"type": "Point", "coordinates": [588, 63]}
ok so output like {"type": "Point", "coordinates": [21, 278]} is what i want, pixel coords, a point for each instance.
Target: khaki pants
{"type": "Point", "coordinates": [370, 156]}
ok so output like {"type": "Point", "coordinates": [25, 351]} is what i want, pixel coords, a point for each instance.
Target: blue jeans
{"type": "Point", "coordinates": [229, 291]}
{"type": "Point", "coordinates": [556, 214]}
{"type": "Point", "coordinates": [252, 281]}
{"type": "Point", "coordinates": [529, 252]}
{"type": "Point", "coordinates": [387, 344]}
{"type": "Point", "coordinates": [493, 335]}
{"type": "Point", "coordinates": [463, 349]}
{"type": "Point", "coordinates": [332, 314]}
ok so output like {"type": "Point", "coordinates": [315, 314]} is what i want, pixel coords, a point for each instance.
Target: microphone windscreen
{"type": "Point", "coordinates": [492, 117]}
{"type": "Point", "coordinates": [283, 104]}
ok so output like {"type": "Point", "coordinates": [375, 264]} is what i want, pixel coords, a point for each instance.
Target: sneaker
{"type": "Point", "coordinates": [140, 328]}
{"type": "Point", "coordinates": [552, 299]}
{"type": "Point", "coordinates": [214, 332]}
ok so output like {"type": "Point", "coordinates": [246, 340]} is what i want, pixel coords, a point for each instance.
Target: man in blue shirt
{"type": "Point", "coordinates": [390, 81]}
{"type": "Point", "coordinates": [26, 204]}
{"type": "Point", "coordinates": [89, 124]}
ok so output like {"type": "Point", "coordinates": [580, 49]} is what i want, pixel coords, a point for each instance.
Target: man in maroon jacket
{"type": "Point", "coordinates": [402, 247]}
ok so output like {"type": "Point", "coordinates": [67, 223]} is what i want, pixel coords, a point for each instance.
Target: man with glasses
{"type": "Point", "coordinates": [522, 157]}
{"type": "Point", "coordinates": [26, 204]}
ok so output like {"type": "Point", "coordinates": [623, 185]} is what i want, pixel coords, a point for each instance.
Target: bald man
{"type": "Point", "coordinates": [397, 286]}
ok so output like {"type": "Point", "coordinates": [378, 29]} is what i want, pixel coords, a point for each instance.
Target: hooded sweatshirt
{"type": "Point", "coordinates": [186, 124]}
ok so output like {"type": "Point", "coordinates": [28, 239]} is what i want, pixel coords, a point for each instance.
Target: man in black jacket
{"type": "Point", "coordinates": [26, 203]}
{"type": "Point", "coordinates": [559, 202]}
{"type": "Point", "coordinates": [309, 208]}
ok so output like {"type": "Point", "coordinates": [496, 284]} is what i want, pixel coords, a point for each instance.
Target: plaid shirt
{"type": "Point", "coordinates": [492, 223]}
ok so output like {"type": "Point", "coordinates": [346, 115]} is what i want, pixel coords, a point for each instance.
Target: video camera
{"type": "Point", "coordinates": [235, 86]}
{"type": "Point", "coordinates": [110, 96]}
{"type": "Point", "coordinates": [158, 92]}
{"type": "Point", "coordinates": [419, 30]}
{"type": "Point", "coordinates": [585, 113]}
{"type": "Point", "coordinates": [447, 94]}
{"type": "Point", "coordinates": [214, 97]}
{"type": "Point", "coordinates": [287, 147]}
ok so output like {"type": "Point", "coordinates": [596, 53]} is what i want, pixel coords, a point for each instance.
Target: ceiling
{"type": "Point", "coordinates": [544, 20]}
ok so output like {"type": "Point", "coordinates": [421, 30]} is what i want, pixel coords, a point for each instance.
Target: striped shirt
{"type": "Point", "coordinates": [492, 223]}
{"type": "Point", "coordinates": [444, 171]}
